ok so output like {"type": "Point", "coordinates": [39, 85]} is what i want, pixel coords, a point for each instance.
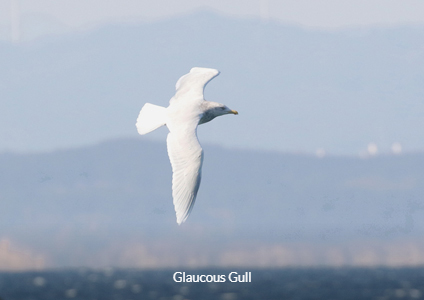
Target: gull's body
{"type": "Point", "coordinates": [186, 110]}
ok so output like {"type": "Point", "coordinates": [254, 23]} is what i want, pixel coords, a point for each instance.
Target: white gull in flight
{"type": "Point", "coordinates": [186, 110]}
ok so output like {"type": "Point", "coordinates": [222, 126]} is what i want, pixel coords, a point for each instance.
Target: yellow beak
{"type": "Point", "coordinates": [234, 112]}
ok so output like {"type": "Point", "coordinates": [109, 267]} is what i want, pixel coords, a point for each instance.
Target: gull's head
{"type": "Point", "coordinates": [224, 110]}
{"type": "Point", "coordinates": [211, 110]}
{"type": "Point", "coordinates": [219, 109]}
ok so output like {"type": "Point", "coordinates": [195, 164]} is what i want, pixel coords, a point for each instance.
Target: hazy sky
{"type": "Point", "coordinates": [23, 20]}
{"type": "Point", "coordinates": [330, 14]}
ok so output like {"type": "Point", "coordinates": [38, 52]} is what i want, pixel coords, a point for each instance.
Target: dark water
{"type": "Point", "coordinates": [116, 284]}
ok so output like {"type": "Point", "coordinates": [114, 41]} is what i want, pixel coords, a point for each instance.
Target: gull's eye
{"type": "Point", "coordinates": [222, 108]}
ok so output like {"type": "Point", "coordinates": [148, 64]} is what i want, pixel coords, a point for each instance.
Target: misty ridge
{"type": "Point", "coordinates": [111, 204]}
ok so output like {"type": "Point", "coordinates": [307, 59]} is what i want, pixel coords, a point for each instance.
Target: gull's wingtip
{"type": "Point", "coordinates": [201, 69]}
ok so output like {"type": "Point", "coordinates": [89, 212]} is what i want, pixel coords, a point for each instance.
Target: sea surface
{"type": "Point", "coordinates": [299, 284]}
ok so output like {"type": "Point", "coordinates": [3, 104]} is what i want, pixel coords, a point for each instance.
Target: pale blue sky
{"type": "Point", "coordinates": [325, 14]}
{"type": "Point", "coordinates": [356, 87]}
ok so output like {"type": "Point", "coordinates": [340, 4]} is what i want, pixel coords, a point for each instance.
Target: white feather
{"type": "Point", "coordinates": [193, 84]}
{"type": "Point", "coordinates": [186, 156]}
{"type": "Point", "coordinates": [150, 118]}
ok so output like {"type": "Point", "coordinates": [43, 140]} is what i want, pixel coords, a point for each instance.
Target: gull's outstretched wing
{"type": "Point", "coordinates": [186, 156]}
{"type": "Point", "coordinates": [193, 84]}
{"type": "Point", "coordinates": [184, 150]}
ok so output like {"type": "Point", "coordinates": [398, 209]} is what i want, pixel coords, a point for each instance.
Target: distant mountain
{"type": "Point", "coordinates": [295, 89]}
{"type": "Point", "coordinates": [85, 205]}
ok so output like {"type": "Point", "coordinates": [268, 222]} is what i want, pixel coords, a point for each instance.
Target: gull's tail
{"type": "Point", "coordinates": [150, 118]}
